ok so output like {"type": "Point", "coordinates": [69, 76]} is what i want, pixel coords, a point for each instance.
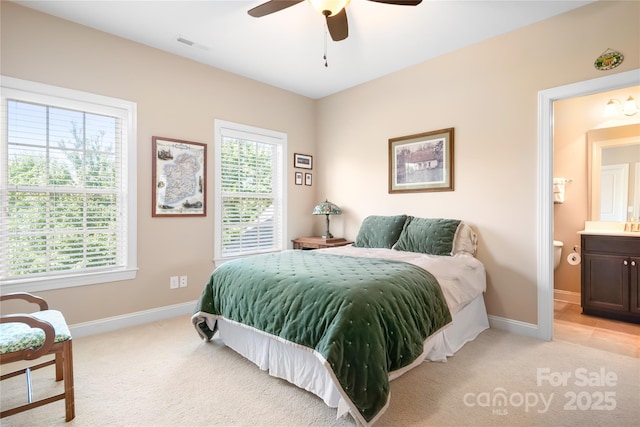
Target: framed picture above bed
{"type": "Point", "coordinates": [421, 162]}
{"type": "Point", "coordinates": [179, 170]}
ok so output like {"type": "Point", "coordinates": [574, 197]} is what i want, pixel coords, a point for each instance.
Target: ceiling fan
{"type": "Point", "coordinates": [333, 10]}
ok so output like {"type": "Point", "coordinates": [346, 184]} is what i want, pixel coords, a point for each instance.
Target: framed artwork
{"type": "Point", "coordinates": [179, 170]}
{"type": "Point", "coordinates": [298, 178]}
{"type": "Point", "coordinates": [421, 162]}
{"type": "Point", "coordinates": [302, 161]}
{"type": "Point", "coordinates": [307, 179]}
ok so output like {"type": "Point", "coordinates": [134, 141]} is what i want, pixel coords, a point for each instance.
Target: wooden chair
{"type": "Point", "coordinates": [31, 336]}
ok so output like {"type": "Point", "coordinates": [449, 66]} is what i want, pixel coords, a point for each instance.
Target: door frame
{"type": "Point", "coordinates": [544, 260]}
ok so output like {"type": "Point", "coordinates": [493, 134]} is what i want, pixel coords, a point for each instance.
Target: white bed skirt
{"type": "Point", "coordinates": [301, 367]}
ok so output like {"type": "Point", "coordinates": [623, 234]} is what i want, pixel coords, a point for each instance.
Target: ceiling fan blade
{"type": "Point", "coordinates": [400, 2]}
{"type": "Point", "coordinates": [338, 26]}
{"type": "Point", "coordinates": [271, 7]}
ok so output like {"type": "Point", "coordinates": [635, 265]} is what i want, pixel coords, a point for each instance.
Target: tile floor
{"type": "Point", "coordinates": [571, 325]}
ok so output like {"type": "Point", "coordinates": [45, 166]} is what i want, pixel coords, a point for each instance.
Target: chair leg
{"type": "Point", "coordinates": [69, 399]}
{"type": "Point", "coordinates": [59, 365]}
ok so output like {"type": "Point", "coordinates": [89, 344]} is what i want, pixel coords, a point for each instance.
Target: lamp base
{"type": "Point", "coordinates": [327, 234]}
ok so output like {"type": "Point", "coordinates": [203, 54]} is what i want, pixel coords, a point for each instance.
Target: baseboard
{"type": "Point", "coordinates": [515, 326]}
{"type": "Point", "coordinates": [109, 324]}
{"type": "Point", "coordinates": [567, 296]}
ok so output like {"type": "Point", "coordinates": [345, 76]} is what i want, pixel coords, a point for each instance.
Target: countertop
{"type": "Point", "coordinates": [610, 233]}
{"type": "Point", "coordinates": [602, 228]}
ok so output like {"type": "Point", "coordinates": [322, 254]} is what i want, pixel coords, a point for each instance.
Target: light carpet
{"type": "Point", "coordinates": [162, 374]}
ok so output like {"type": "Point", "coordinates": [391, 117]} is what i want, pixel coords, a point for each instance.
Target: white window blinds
{"type": "Point", "coordinates": [250, 190]}
{"type": "Point", "coordinates": [64, 190]}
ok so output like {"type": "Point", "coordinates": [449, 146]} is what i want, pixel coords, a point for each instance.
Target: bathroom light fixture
{"type": "Point", "coordinates": [629, 108]}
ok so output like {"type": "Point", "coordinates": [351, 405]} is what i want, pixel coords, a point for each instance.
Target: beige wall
{"type": "Point", "coordinates": [573, 119]}
{"type": "Point", "coordinates": [487, 92]}
{"type": "Point", "coordinates": [176, 98]}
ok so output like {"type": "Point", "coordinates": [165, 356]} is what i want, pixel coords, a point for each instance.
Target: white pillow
{"type": "Point", "coordinates": [465, 240]}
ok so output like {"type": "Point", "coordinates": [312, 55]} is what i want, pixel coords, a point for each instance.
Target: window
{"type": "Point", "coordinates": [67, 188]}
{"type": "Point", "coordinates": [250, 178]}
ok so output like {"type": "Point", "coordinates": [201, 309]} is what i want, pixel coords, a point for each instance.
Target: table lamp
{"type": "Point", "coordinates": [327, 208]}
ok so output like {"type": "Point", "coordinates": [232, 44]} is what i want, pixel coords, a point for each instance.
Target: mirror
{"type": "Point", "coordinates": [614, 173]}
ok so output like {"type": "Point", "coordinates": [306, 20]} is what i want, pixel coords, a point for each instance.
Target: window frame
{"type": "Point", "coordinates": [28, 91]}
{"type": "Point", "coordinates": [227, 128]}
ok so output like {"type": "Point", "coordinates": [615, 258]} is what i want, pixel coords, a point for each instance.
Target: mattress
{"type": "Point", "coordinates": [463, 281]}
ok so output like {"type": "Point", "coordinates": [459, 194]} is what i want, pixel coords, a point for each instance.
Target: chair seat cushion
{"type": "Point", "coordinates": [16, 336]}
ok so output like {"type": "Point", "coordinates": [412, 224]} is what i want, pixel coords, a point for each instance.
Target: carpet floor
{"type": "Point", "coordinates": [162, 374]}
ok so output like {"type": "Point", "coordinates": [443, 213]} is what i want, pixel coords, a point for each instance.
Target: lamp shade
{"type": "Point", "coordinates": [629, 108]}
{"type": "Point", "coordinates": [610, 108]}
{"type": "Point", "coordinates": [327, 208]}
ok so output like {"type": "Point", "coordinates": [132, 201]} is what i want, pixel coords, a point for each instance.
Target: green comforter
{"type": "Point", "coordinates": [366, 317]}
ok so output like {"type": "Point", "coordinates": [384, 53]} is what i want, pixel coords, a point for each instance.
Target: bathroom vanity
{"type": "Point", "coordinates": [610, 274]}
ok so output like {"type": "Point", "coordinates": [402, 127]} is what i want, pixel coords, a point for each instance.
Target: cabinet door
{"type": "Point", "coordinates": [634, 268]}
{"type": "Point", "coordinates": [606, 282]}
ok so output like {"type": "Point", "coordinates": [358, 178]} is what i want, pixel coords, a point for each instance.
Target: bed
{"type": "Point", "coordinates": [344, 322]}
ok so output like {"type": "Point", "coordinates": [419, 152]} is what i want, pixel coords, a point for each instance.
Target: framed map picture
{"type": "Point", "coordinates": [179, 178]}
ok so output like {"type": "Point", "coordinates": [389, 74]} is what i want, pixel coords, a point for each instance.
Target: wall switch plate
{"type": "Point", "coordinates": [183, 281]}
{"type": "Point", "coordinates": [173, 282]}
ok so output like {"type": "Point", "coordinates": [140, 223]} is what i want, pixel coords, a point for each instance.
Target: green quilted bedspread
{"type": "Point", "coordinates": [367, 317]}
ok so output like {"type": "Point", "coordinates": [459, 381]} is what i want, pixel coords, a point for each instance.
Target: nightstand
{"type": "Point", "coordinates": [318, 242]}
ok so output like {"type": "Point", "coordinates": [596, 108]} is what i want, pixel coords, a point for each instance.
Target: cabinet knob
{"type": "Point", "coordinates": [633, 263]}
{"type": "Point", "coordinates": [625, 262]}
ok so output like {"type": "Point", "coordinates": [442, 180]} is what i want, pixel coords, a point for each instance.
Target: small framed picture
{"type": "Point", "coordinates": [302, 161]}
{"type": "Point", "coordinates": [298, 178]}
{"type": "Point", "coordinates": [307, 179]}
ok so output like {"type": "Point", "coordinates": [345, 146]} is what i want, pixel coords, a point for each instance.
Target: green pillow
{"type": "Point", "coordinates": [380, 231]}
{"type": "Point", "coordinates": [433, 236]}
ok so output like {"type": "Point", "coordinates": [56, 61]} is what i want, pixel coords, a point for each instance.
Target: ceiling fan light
{"type": "Point", "coordinates": [333, 6]}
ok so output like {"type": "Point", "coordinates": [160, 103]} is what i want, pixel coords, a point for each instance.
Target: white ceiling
{"type": "Point", "coordinates": [286, 49]}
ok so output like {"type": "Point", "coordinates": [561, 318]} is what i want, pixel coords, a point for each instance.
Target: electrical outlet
{"type": "Point", "coordinates": [183, 281]}
{"type": "Point", "coordinates": [173, 282]}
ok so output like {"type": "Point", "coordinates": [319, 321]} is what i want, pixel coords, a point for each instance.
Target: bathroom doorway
{"type": "Point", "coordinates": [546, 100]}
{"type": "Point", "coordinates": [590, 142]}
{"type": "Point", "coordinates": [585, 136]}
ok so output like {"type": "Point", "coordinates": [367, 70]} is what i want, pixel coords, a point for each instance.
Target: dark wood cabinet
{"type": "Point", "coordinates": [610, 281]}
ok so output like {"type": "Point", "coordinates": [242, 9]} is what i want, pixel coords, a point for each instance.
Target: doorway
{"type": "Point", "coordinates": [545, 177]}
